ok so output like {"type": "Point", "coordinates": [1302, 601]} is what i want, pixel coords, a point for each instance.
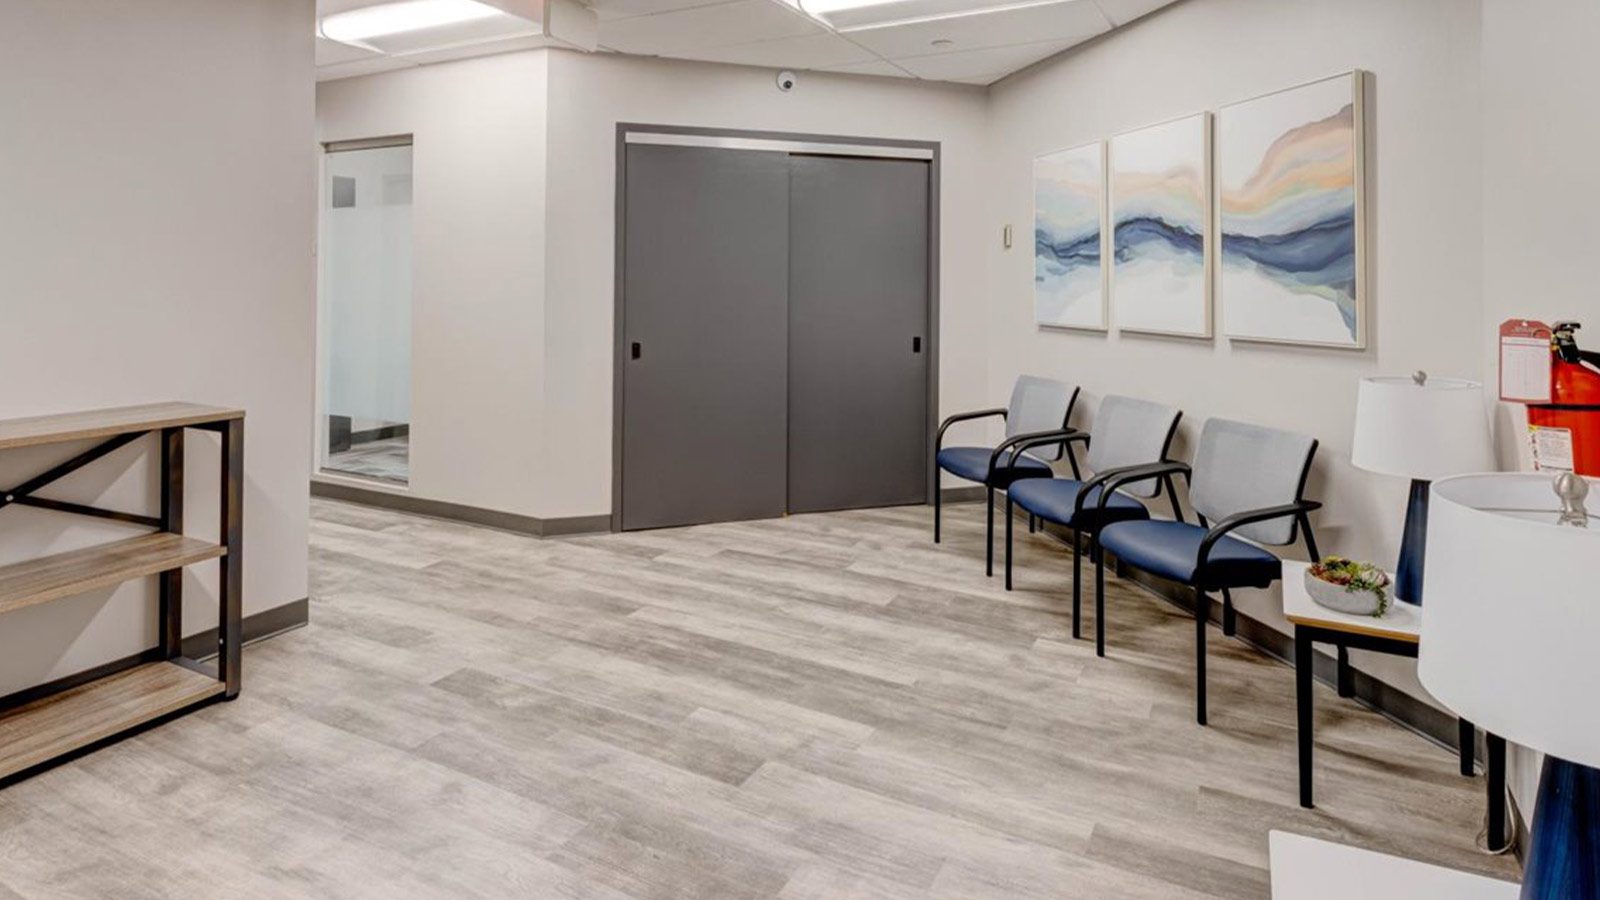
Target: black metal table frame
{"type": "Point", "coordinates": [1307, 635]}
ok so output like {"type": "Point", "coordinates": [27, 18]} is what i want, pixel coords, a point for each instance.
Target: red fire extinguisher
{"type": "Point", "coordinates": [1572, 417]}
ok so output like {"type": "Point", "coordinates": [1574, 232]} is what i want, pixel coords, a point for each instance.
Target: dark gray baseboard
{"type": "Point", "coordinates": [459, 512]}
{"type": "Point", "coordinates": [961, 494]}
{"type": "Point", "coordinates": [203, 645]}
{"type": "Point", "coordinates": [380, 434]}
{"type": "Point", "coordinates": [258, 627]}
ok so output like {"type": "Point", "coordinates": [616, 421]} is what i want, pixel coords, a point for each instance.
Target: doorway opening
{"type": "Point", "coordinates": [364, 428]}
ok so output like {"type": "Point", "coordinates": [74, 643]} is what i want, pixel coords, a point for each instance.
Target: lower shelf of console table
{"type": "Point", "coordinates": [63, 723]}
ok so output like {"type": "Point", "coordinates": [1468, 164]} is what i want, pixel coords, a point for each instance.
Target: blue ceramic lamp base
{"type": "Point", "coordinates": [1408, 574]}
{"type": "Point", "coordinates": [1564, 855]}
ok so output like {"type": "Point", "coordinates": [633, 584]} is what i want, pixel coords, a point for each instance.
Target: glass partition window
{"type": "Point", "coordinates": [366, 313]}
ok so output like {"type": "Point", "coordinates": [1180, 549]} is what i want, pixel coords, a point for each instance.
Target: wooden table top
{"type": "Point", "coordinates": [104, 423]}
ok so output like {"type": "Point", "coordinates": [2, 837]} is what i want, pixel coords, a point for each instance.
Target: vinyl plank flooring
{"type": "Point", "coordinates": [819, 706]}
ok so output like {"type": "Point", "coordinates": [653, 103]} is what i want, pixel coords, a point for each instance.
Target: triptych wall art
{"type": "Point", "coordinates": [1281, 248]}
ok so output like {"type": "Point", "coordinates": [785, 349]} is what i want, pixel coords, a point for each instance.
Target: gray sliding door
{"type": "Point", "coordinates": [774, 343]}
{"type": "Point", "coordinates": [705, 275]}
{"type": "Point", "coordinates": [858, 332]}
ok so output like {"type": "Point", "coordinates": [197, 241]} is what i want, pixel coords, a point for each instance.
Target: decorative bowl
{"type": "Point", "coordinates": [1358, 589]}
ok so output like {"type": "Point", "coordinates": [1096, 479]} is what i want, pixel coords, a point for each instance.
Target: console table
{"type": "Point", "coordinates": [75, 715]}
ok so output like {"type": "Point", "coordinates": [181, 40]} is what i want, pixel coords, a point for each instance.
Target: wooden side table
{"type": "Point", "coordinates": [1399, 632]}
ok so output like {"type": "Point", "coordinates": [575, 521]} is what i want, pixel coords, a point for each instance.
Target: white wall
{"type": "Point", "coordinates": [478, 245]}
{"type": "Point", "coordinates": [1540, 133]}
{"type": "Point", "coordinates": [156, 228]}
{"type": "Point", "coordinates": [590, 94]}
{"type": "Point", "coordinates": [513, 292]}
{"type": "Point", "coordinates": [1425, 302]}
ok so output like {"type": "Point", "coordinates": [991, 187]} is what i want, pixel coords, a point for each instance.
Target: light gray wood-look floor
{"type": "Point", "coordinates": [824, 706]}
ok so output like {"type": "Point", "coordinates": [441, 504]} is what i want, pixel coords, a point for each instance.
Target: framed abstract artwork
{"type": "Point", "coordinates": [1290, 212]}
{"type": "Point", "coordinates": [1161, 219]}
{"type": "Point", "coordinates": [1068, 224]}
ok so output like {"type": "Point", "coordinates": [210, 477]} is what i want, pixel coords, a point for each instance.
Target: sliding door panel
{"type": "Point", "coordinates": [705, 279]}
{"type": "Point", "coordinates": [858, 332]}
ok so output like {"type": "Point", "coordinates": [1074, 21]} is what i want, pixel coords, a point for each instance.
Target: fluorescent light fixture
{"type": "Point", "coordinates": [823, 7]}
{"type": "Point", "coordinates": [862, 15]}
{"type": "Point", "coordinates": [357, 25]}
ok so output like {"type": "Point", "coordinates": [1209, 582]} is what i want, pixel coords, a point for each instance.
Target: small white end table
{"type": "Point", "coordinates": [1398, 632]}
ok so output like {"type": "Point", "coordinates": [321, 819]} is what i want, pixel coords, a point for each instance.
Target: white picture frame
{"type": "Point", "coordinates": [1291, 215]}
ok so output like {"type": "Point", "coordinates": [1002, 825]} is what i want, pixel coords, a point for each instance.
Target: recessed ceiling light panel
{"type": "Point", "coordinates": [358, 25]}
{"type": "Point", "coordinates": [859, 15]}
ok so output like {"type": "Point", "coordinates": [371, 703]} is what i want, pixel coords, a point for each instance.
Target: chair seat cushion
{"type": "Point", "coordinates": [1170, 550]}
{"type": "Point", "coordinates": [1053, 499]}
{"type": "Point", "coordinates": [972, 463]}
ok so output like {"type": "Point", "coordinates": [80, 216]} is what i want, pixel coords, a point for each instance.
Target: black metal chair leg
{"type": "Point", "coordinates": [988, 540]}
{"type": "Point", "coordinates": [1077, 585]}
{"type": "Point", "coordinates": [1009, 517]}
{"type": "Point", "coordinates": [1099, 599]}
{"type": "Point", "coordinates": [1200, 607]}
{"type": "Point", "coordinates": [1227, 613]}
{"type": "Point", "coordinates": [938, 504]}
{"type": "Point", "coordinates": [1033, 523]}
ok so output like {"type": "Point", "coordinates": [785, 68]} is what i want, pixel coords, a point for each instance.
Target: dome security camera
{"type": "Point", "coordinates": [786, 81]}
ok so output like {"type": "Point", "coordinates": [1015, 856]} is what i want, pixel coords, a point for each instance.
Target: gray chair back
{"type": "Point", "coordinates": [1131, 432]}
{"type": "Point", "coordinates": [1039, 404]}
{"type": "Point", "coordinates": [1239, 467]}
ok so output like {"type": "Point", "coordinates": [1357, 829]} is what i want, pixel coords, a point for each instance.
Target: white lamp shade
{"type": "Point", "coordinates": [1513, 623]}
{"type": "Point", "coordinates": [1427, 431]}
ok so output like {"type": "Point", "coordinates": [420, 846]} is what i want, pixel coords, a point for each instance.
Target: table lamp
{"type": "Point", "coordinates": [1512, 642]}
{"type": "Point", "coordinates": [1423, 429]}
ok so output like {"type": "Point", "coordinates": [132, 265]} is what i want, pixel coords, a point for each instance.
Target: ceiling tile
{"type": "Point", "coordinates": [673, 33]}
{"type": "Point", "coordinates": [876, 67]}
{"type": "Point", "coordinates": [1074, 20]}
{"type": "Point", "coordinates": [1121, 12]}
{"type": "Point", "coordinates": [968, 64]}
{"type": "Point", "coordinates": [623, 9]}
{"type": "Point", "coordinates": [809, 51]}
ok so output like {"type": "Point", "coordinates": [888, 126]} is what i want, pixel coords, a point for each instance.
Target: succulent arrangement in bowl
{"type": "Point", "coordinates": [1348, 586]}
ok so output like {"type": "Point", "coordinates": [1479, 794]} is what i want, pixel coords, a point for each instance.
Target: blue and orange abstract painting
{"type": "Point", "coordinates": [1160, 217]}
{"type": "Point", "coordinates": [1287, 170]}
{"type": "Point", "coordinates": [1067, 213]}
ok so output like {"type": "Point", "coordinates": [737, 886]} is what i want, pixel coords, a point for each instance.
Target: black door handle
{"type": "Point", "coordinates": [635, 351]}
{"type": "Point", "coordinates": [916, 344]}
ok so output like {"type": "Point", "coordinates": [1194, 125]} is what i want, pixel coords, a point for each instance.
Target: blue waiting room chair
{"type": "Point", "coordinates": [1247, 481]}
{"type": "Point", "coordinates": [1127, 433]}
{"type": "Point", "coordinates": [1037, 414]}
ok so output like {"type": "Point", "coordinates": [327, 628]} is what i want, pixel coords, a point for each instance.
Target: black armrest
{"type": "Point", "coordinates": [1045, 438]}
{"type": "Point", "coordinates": [1032, 439]}
{"type": "Point", "coordinates": [938, 440]}
{"type": "Point", "coordinates": [1112, 479]}
{"type": "Point", "coordinates": [1300, 509]}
